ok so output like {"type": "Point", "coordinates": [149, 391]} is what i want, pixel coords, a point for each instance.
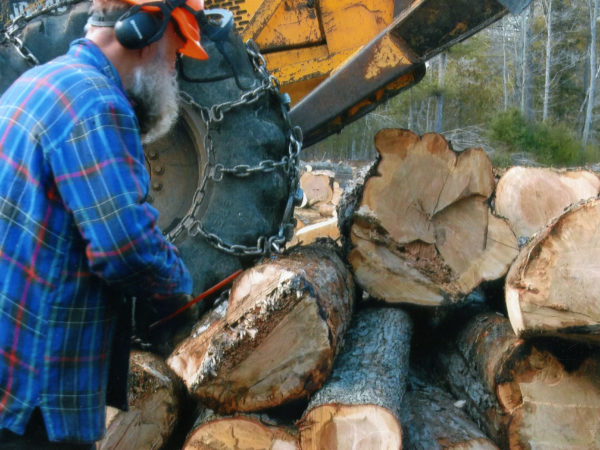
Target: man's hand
{"type": "Point", "coordinates": [151, 311]}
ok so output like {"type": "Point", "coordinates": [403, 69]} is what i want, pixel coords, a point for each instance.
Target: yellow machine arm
{"type": "Point", "coordinates": [338, 59]}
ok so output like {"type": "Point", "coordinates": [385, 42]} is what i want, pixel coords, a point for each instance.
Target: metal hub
{"type": "Point", "coordinates": [176, 163]}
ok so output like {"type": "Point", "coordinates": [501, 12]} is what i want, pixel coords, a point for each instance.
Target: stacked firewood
{"type": "Point", "coordinates": [458, 308]}
{"type": "Point", "coordinates": [317, 215]}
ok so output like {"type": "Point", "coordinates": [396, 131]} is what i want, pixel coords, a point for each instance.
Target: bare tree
{"type": "Point", "coordinates": [547, 7]}
{"type": "Point", "coordinates": [593, 11]}
{"type": "Point", "coordinates": [439, 116]}
{"type": "Point", "coordinates": [504, 67]}
{"type": "Point", "coordinates": [527, 78]}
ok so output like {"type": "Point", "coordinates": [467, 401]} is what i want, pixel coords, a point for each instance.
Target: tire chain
{"type": "Point", "coordinates": [290, 164]}
{"type": "Point", "coordinates": [211, 115]}
{"type": "Point", "coordinates": [15, 26]}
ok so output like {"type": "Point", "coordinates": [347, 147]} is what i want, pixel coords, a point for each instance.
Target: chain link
{"type": "Point", "coordinates": [216, 171]}
{"type": "Point", "coordinates": [11, 33]}
{"type": "Point", "coordinates": [210, 116]}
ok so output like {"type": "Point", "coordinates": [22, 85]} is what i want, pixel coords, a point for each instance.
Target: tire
{"type": "Point", "coordinates": [238, 209]}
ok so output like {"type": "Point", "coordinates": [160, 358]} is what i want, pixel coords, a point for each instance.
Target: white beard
{"type": "Point", "coordinates": [155, 92]}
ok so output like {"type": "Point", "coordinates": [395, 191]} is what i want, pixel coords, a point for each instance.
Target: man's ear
{"type": "Point", "coordinates": [148, 53]}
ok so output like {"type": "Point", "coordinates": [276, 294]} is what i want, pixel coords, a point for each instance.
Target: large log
{"type": "Point", "coordinates": [432, 419]}
{"type": "Point", "coordinates": [359, 405]}
{"type": "Point", "coordinates": [279, 336]}
{"type": "Point", "coordinates": [531, 197]}
{"type": "Point", "coordinates": [521, 392]}
{"type": "Point", "coordinates": [553, 288]}
{"type": "Point", "coordinates": [240, 432]}
{"type": "Point", "coordinates": [423, 232]}
{"type": "Point", "coordinates": [155, 403]}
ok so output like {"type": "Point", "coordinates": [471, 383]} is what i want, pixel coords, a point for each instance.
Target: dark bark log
{"type": "Point", "coordinates": [281, 332]}
{"type": "Point", "coordinates": [359, 405]}
{"type": "Point", "coordinates": [521, 392]}
{"type": "Point", "coordinates": [433, 419]}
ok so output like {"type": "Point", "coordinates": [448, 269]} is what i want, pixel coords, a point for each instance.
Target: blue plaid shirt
{"type": "Point", "coordinates": [75, 235]}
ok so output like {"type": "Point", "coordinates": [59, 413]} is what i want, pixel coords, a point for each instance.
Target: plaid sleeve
{"type": "Point", "coordinates": [101, 176]}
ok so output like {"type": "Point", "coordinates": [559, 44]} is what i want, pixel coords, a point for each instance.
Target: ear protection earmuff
{"type": "Point", "coordinates": [137, 28]}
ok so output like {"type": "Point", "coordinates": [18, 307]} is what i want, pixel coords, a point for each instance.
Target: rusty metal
{"type": "Point", "coordinates": [431, 26]}
{"type": "Point", "coordinates": [394, 60]}
{"type": "Point", "coordinates": [382, 69]}
{"type": "Point", "coordinates": [175, 164]}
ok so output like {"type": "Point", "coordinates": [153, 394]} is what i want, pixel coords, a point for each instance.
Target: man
{"type": "Point", "coordinates": [76, 234]}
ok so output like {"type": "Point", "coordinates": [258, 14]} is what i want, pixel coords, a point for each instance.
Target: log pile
{"type": "Point", "coordinates": [317, 215]}
{"type": "Point", "coordinates": [395, 335]}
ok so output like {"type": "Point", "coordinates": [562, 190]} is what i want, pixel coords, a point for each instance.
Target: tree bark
{"type": "Point", "coordinates": [432, 420]}
{"type": "Point", "coordinates": [240, 432]}
{"type": "Point", "coordinates": [359, 405]}
{"type": "Point", "coordinates": [155, 401]}
{"type": "Point", "coordinates": [521, 392]}
{"type": "Point", "coordinates": [280, 334]}
{"type": "Point", "coordinates": [553, 288]}
{"type": "Point", "coordinates": [530, 198]}
{"type": "Point", "coordinates": [423, 232]}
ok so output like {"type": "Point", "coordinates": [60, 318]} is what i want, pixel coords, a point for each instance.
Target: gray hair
{"type": "Point", "coordinates": [106, 6]}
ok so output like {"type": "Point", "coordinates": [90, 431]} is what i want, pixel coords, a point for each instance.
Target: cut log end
{"type": "Point", "coordinates": [154, 406]}
{"type": "Point", "coordinates": [239, 433]}
{"type": "Point", "coordinates": [530, 197]}
{"type": "Point", "coordinates": [551, 405]}
{"type": "Point", "coordinates": [350, 426]}
{"type": "Point", "coordinates": [527, 394]}
{"type": "Point", "coordinates": [278, 339]}
{"type": "Point", "coordinates": [424, 232]}
{"type": "Point", "coordinates": [553, 287]}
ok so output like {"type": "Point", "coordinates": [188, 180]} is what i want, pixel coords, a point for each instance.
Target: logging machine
{"type": "Point", "coordinates": [314, 67]}
{"type": "Point", "coordinates": [338, 59]}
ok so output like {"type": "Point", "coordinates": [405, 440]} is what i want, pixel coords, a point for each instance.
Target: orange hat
{"type": "Point", "coordinates": [184, 17]}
